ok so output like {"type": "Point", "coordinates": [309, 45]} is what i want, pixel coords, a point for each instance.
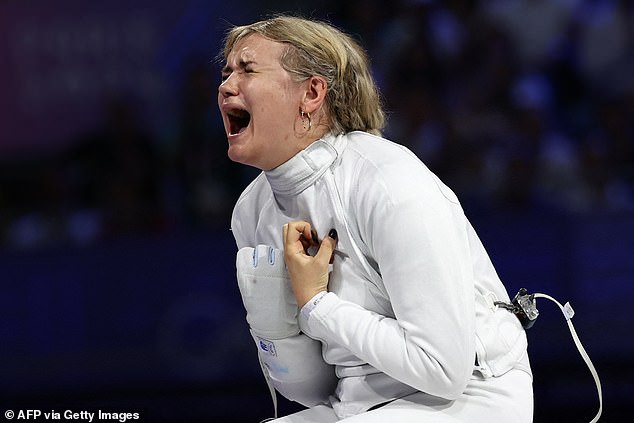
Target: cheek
{"type": "Point", "coordinates": [277, 105]}
{"type": "Point", "coordinates": [220, 98]}
{"type": "Point", "coordinates": [276, 117]}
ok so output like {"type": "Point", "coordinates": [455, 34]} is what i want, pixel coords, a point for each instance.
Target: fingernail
{"type": "Point", "coordinates": [333, 234]}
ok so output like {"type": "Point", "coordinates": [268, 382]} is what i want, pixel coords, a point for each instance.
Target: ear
{"type": "Point", "coordinates": [315, 93]}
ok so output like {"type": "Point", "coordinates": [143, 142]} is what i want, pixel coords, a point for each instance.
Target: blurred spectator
{"type": "Point", "coordinates": [533, 26]}
{"type": "Point", "coordinates": [606, 40]}
{"type": "Point", "coordinates": [208, 180]}
{"type": "Point", "coordinates": [612, 143]}
{"type": "Point", "coordinates": [113, 177]}
{"type": "Point", "coordinates": [515, 104]}
{"type": "Point", "coordinates": [31, 192]}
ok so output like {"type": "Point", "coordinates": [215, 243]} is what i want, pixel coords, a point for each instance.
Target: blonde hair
{"type": "Point", "coordinates": [318, 48]}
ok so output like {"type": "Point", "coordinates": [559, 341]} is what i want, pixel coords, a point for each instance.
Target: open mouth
{"type": "Point", "coordinates": [238, 120]}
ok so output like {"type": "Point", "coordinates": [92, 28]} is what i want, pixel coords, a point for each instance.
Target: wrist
{"type": "Point", "coordinates": [311, 304]}
{"type": "Point", "coordinates": [306, 299]}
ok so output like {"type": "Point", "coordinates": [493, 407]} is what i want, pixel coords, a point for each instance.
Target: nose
{"type": "Point", "coordinates": [228, 87]}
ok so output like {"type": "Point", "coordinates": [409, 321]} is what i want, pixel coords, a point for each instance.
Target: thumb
{"type": "Point", "coordinates": [327, 247]}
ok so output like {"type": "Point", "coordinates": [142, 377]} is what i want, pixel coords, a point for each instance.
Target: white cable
{"type": "Point", "coordinates": [568, 313]}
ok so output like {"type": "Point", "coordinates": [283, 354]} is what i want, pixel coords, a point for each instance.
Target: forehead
{"type": "Point", "coordinates": [256, 48]}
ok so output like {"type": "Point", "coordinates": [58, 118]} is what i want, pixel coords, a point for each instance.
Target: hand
{"type": "Point", "coordinates": [309, 274]}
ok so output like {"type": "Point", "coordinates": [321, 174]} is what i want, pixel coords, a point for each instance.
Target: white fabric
{"type": "Point", "coordinates": [311, 304]}
{"type": "Point", "coordinates": [266, 292]}
{"type": "Point", "coordinates": [292, 361]}
{"type": "Point", "coordinates": [296, 368]}
{"type": "Point", "coordinates": [507, 399]}
{"type": "Point", "coordinates": [412, 288]}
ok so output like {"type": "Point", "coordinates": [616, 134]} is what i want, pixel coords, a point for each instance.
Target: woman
{"type": "Point", "coordinates": [392, 315]}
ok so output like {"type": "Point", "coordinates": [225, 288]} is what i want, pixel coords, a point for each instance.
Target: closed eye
{"type": "Point", "coordinates": [225, 73]}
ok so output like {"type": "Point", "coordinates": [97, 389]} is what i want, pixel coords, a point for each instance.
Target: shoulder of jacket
{"type": "Point", "coordinates": [378, 151]}
{"type": "Point", "coordinates": [395, 172]}
{"type": "Point", "coordinates": [377, 157]}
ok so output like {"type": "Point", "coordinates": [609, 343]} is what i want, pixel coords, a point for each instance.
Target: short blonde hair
{"type": "Point", "coordinates": [318, 48]}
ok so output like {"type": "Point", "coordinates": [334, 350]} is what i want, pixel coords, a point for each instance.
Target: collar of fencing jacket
{"type": "Point", "coordinates": [303, 169]}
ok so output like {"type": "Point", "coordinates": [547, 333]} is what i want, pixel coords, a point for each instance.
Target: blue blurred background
{"type": "Point", "coordinates": [117, 285]}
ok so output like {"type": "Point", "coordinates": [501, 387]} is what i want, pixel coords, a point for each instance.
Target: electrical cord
{"type": "Point", "coordinates": [525, 308]}
{"type": "Point", "coordinates": [568, 312]}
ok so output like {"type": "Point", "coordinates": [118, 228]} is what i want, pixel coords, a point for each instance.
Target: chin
{"type": "Point", "coordinates": [236, 155]}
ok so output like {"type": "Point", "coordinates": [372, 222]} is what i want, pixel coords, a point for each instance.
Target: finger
{"type": "Point", "coordinates": [296, 235]}
{"type": "Point", "coordinates": [309, 241]}
{"type": "Point", "coordinates": [327, 247]}
{"type": "Point", "coordinates": [305, 243]}
{"type": "Point", "coordinates": [298, 229]}
{"type": "Point", "coordinates": [305, 235]}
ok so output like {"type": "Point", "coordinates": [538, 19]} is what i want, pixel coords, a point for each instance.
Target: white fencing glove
{"type": "Point", "coordinates": [295, 367]}
{"type": "Point", "coordinates": [292, 362]}
{"type": "Point", "coordinates": [266, 292]}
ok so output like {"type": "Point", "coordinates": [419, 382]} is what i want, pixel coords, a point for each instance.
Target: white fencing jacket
{"type": "Point", "coordinates": [411, 292]}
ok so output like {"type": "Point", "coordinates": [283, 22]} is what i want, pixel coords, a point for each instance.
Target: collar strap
{"type": "Point", "coordinates": [303, 169]}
